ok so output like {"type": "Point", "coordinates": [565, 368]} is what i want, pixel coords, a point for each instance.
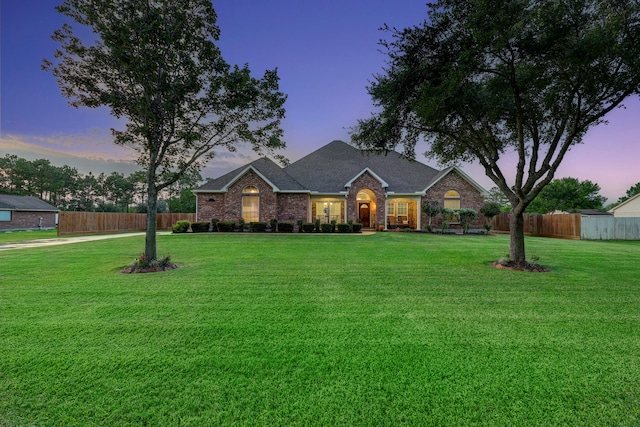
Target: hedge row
{"type": "Point", "coordinates": [258, 227]}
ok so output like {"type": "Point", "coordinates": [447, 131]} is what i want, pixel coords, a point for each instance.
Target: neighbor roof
{"type": "Point", "coordinates": [24, 203]}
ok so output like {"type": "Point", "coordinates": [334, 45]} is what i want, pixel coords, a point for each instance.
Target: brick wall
{"type": "Point", "coordinates": [228, 206]}
{"type": "Point", "coordinates": [29, 220]}
{"type": "Point", "coordinates": [366, 181]}
{"type": "Point", "coordinates": [470, 198]}
{"type": "Point", "coordinates": [293, 207]}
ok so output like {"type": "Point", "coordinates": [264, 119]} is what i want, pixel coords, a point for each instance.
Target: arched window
{"type": "Point", "coordinates": [250, 204]}
{"type": "Point", "coordinates": [250, 189]}
{"type": "Point", "coordinates": [452, 199]}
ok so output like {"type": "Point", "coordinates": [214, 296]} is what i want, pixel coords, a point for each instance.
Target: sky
{"type": "Point", "coordinates": [326, 53]}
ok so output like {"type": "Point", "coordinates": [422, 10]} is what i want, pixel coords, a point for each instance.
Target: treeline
{"type": "Point", "coordinates": [67, 189]}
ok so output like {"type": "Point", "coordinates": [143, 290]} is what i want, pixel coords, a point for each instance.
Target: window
{"type": "Point", "coordinates": [250, 189]}
{"type": "Point", "coordinates": [403, 208]}
{"type": "Point", "coordinates": [251, 208]}
{"type": "Point", "coordinates": [5, 215]}
{"type": "Point", "coordinates": [452, 199]}
{"type": "Point", "coordinates": [329, 211]}
{"type": "Point", "coordinates": [391, 209]}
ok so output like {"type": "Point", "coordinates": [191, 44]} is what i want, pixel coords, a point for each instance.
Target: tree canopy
{"type": "Point", "coordinates": [156, 64]}
{"type": "Point", "coordinates": [479, 80]}
{"type": "Point", "coordinates": [567, 195]}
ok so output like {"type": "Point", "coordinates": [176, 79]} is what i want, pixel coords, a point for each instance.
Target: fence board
{"type": "Point", "coordinates": [610, 228]}
{"type": "Point", "coordinates": [559, 226]}
{"type": "Point", "coordinates": [70, 223]}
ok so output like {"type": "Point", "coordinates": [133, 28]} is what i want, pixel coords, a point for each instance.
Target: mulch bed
{"type": "Point", "coordinates": [523, 266]}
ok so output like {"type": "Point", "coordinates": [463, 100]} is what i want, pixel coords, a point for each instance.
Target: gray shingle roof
{"type": "Point", "coordinates": [329, 168]}
{"type": "Point", "coordinates": [266, 167]}
{"type": "Point", "coordinates": [25, 203]}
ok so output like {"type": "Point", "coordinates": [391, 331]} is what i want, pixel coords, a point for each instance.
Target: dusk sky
{"type": "Point", "coordinates": [326, 52]}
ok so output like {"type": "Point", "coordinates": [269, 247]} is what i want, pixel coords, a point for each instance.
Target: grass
{"type": "Point", "coordinates": [24, 235]}
{"type": "Point", "coordinates": [388, 329]}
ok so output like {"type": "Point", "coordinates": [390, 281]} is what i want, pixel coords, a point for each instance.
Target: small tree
{"type": "Point", "coordinates": [431, 208]}
{"type": "Point", "coordinates": [156, 64]}
{"type": "Point", "coordinates": [466, 217]}
{"type": "Point", "coordinates": [490, 209]}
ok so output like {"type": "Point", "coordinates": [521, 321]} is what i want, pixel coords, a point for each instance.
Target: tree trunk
{"type": "Point", "coordinates": [152, 207]}
{"type": "Point", "coordinates": [516, 227]}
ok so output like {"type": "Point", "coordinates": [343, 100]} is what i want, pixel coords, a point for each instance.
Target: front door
{"type": "Point", "coordinates": [365, 214]}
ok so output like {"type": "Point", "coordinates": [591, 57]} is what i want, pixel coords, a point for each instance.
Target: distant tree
{"type": "Point", "coordinates": [495, 195]}
{"type": "Point", "coordinates": [156, 64]}
{"type": "Point", "coordinates": [567, 194]}
{"type": "Point", "coordinates": [632, 191]}
{"type": "Point", "coordinates": [480, 79]}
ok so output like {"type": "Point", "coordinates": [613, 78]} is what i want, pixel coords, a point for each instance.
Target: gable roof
{"type": "Point", "coordinates": [266, 168]}
{"type": "Point", "coordinates": [459, 171]}
{"type": "Point", "coordinates": [333, 167]}
{"type": "Point", "coordinates": [24, 203]}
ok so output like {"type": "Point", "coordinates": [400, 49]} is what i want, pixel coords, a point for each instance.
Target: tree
{"type": "Point", "coordinates": [466, 217]}
{"type": "Point", "coordinates": [483, 79]}
{"type": "Point", "coordinates": [156, 64]}
{"type": "Point", "coordinates": [495, 195]}
{"type": "Point", "coordinates": [567, 194]}
{"type": "Point", "coordinates": [632, 191]}
{"type": "Point", "coordinates": [490, 209]}
{"type": "Point", "coordinates": [431, 208]}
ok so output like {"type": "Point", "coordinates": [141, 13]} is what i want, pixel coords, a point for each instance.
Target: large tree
{"type": "Point", "coordinates": [482, 79]}
{"type": "Point", "coordinates": [156, 64]}
{"type": "Point", "coordinates": [567, 194]}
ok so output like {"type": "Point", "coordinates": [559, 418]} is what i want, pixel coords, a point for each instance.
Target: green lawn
{"type": "Point", "coordinates": [388, 329]}
{"type": "Point", "coordinates": [21, 236]}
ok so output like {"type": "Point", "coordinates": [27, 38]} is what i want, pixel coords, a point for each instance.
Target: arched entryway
{"type": "Point", "coordinates": [366, 208]}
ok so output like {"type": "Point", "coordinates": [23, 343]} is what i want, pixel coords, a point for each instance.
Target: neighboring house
{"type": "Point", "coordinates": [630, 208]}
{"type": "Point", "coordinates": [337, 183]}
{"type": "Point", "coordinates": [26, 213]}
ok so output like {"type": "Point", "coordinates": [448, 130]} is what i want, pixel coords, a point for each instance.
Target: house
{"type": "Point", "coordinates": [336, 183]}
{"type": "Point", "coordinates": [630, 208]}
{"type": "Point", "coordinates": [26, 213]}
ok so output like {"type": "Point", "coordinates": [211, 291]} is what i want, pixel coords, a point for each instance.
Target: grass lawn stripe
{"type": "Point", "coordinates": [387, 329]}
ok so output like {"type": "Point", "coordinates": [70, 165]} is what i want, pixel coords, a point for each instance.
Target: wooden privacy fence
{"type": "Point", "coordinates": [110, 222]}
{"type": "Point", "coordinates": [565, 226]}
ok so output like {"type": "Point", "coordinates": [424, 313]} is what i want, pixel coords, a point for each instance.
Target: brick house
{"type": "Point", "coordinates": [338, 182]}
{"type": "Point", "coordinates": [26, 213]}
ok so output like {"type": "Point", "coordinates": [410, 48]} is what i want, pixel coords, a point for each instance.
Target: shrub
{"type": "Point", "coordinates": [226, 226]}
{"type": "Point", "coordinates": [214, 224]}
{"type": "Point", "coordinates": [240, 224]}
{"type": "Point", "coordinates": [181, 226]}
{"type": "Point", "coordinates": [357, 227]}
{"type": "Point", "coordinates": [466, 218]}
{"type": "Point", "coordinates": [333, 225]}
{"type": "Point", "coordinates": [317, 223]}
{"type": "Point", "coordinates": [326, 228]}
{"type": "Point", "coordinates": [344, 228]}
{"type": "Point", "coordinates": [257, 227]}
{"type": "Point", "coordinates": [200, 227]}
{"type": "Point", "coordinates": [285, 227]}
{"type": "Point", "coordinates": [350, 224]}
{"type": "Point", "coordinates": [308, 227]}
{"type": "Point", "coordinates": [274, 224]}
{"type": "Point", "coordinates": [300, 222]}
